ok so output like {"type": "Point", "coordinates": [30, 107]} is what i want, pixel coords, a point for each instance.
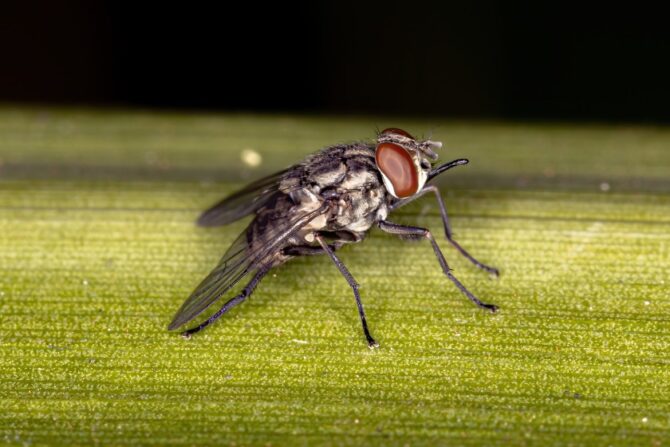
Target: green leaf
{"type": "Point", "coordinates": [98, 248]}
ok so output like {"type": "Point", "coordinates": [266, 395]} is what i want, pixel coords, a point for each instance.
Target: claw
{"type": "Point", "coordinates": [492, 307]}
{"type": "Point", "coordinates": [186, 335]}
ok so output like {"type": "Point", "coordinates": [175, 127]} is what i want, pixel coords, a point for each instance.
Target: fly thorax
{"type": "Point", "coordinates": [306, 199]}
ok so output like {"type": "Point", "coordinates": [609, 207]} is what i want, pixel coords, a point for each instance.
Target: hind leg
{"type": "Point", "coordinates": [246, 293]}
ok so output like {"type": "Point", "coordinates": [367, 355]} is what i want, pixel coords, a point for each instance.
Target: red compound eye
{"type": "Point", "coordinates": [395, 130]}
{"type": "Point", "coordinates": [398, 167]}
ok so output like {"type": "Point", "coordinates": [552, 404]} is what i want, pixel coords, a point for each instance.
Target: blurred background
{"type": "Point", "coordinates": [504, 60]}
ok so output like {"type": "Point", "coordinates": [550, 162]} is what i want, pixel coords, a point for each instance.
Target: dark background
{"type": "Point", "coordinates": [484, 60]}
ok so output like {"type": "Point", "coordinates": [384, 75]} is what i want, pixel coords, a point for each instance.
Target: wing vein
{"type": "Point", "coordinates": [243, 256]}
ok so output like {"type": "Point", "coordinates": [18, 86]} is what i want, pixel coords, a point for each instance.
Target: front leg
{"type": "Point", "coordinates": [409, 232]}
{"type": "Point", "coordinates": [447, 227]}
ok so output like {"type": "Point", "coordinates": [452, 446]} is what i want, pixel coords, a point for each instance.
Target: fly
{"type": "Point", "coordinates": [333, 198]}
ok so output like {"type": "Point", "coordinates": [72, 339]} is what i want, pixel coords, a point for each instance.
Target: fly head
{"type": "Point", "coordinates": [404, 162]}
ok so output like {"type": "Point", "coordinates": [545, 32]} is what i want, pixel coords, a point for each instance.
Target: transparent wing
{"type": "Point", "coordinates": [244, 256]}
{"type": "Point", "coordinates": [242, 203]}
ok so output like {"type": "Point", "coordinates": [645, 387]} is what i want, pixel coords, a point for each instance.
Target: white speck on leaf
{"type": "Point", "coordinates": [251, 158]}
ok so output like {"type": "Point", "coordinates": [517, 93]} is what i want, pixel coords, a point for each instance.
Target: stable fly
{"type": "Point", "coordinates": [332, 198]}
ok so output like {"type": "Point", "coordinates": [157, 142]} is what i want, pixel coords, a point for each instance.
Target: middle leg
{"type": "Point", "coordinates": [409, 232]}
{"type": "Point", "coordinates": [354, 286]}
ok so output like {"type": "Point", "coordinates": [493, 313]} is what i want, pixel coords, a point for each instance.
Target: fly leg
{"type": "Point", "coordinates": [246, 293]}
{"type": "Point", "coordinates": [354, 286]}
{"type": "Point", "coordinates": [447, 227]}
{"type": "Point", "coordinates": [308, 250]}
{"type": "Point", "coordinates": [408, 232]}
